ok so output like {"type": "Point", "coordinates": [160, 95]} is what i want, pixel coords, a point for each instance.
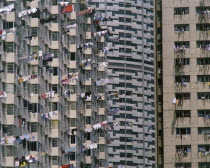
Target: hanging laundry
{"type": "Point", "coordinates": [51, 94]}
{"type": "Point", "coordinates": [48, 20]}
{"type": "Point", "coordinates": [114, 111]}
{"type": "Point", "coordinates": [102, 82]}
{"type": "Point", "coordinates": [105, 50]}
{"type": "Point", "coordinates": [71, 26]}
{"type": "Point", "coordinates": [98, 97]}
{"type": "Point", "coordinates": [85, 63]}
{"type": "Point", "coordinates": [67, 9]}
{"type": "Point", "coordinates": [97, 18]}
{"type": "Point", "coordinates": [73, 130]}
{"type": "Point", "coordinates": [3, 94]}
{"type": "Point", "coordinates": [97, 126]}
{"type": "Point", "coordinates": [72, 149]}
{"type": "Point", "coordinates": [86, 45]}
{"type": "Point", "coordinates": [47, 57]}
{"type": "Point", "coordinates": [104, 19]}
{"type": "Point", "coordinates": [25, 12]}
{"type": "Point", "coordinates": [114, 94]}
{"type": "Point", "coordinates": [29, 37]}
{"type": "Point", "coordinates": [44, 96]}
{"type": "Point", "coordinates": [129, 123]}
{"type": "Point", "coordinates": [85, 12]}
{"type": "Point", "coordinates": [100, 33]}
{"type": "Point", "coordinates": [17, 163]}
{"type": "Point", "coordinates": [5, 32]}
{"type": "Point", "coordinates": [67, 93]}
{"type": "Point", "coordinates": [103, 123]}
{"type": "Point", "coordinates": [174, 101]}
{"type": "Point", "coordinates": [105, 64]}
{"type": "Point", "coordinates": [114, 39]}
{"type": "Point", "coordinates": [86, 95]}
{"type": "Point", "coordinates": [88, 130]}
{"type": "Point", "coordinates": [66, 166]}
{"type": "Point", "coordinates": [63, 3]}
{"type": "Point", "coordinates": [7, 9]}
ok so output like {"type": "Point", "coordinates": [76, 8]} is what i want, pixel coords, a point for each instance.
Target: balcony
{"type": "Point", "coordinates": [54, 10]}
{"type": "Point", "coordinates": [35, 41]}
{"type": "Point", "coordinates": [34, 22]}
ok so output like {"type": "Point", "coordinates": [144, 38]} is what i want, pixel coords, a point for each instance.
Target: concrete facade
{"type": "Point", "coordinates": [185, 103]}
{"type": "Point", "coordinates": [131, 75]}
{"type": "Point", "coordinates": [41, 116]}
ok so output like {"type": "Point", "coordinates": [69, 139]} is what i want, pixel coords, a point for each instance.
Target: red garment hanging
{"type": "Point", "coordinates": [67, 9]}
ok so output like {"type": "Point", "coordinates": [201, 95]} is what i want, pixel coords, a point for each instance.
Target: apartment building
{"type": "Point", "coordinates": [53, 99]}
{"type": "Point", "coordinates": [183, 62]}
{"type": "Point", "coordinates": [131, 77]}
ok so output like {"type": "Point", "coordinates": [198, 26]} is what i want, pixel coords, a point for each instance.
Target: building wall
{"type": "Point", "coordinates": [25, 110]}
{"type": "Point", "coordinates": [133, 23]}
{"type": "Point", "coordinates": [171, 89]}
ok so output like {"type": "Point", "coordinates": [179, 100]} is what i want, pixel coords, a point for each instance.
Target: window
{"type": "Point", "coordinates": [8, 25]}
{"type": "Point", "coordinates": [88, 120]}
{"type": "Point", "coordinates": [8, 130]}
{"type": "Point", "coordinates": [34, 127]}
{"type": "Point", "coordinates": [72, 156]}
{"type": "Point", "coordinates": [182, 78]}
{"type": "Point", "coordinates": [203, 27]}
{"type": "Point", "coordinates": [181, 11]}
{"type": "Point", "coordinates": [8, 151]}
{"type": "Point", "coordinates": [203, 44]}
{"type": "Point", "coordinates": [34, 31]}
{"type": "Point", "coordinates": [55, 160]}
{"type": "Point", "coordinates": [10, 88]}
{"type": "Point", "coordinates": [73, 105]}
{"type": "Point", "coordinates": [203, 95]}
{"type": "Point", "coordinates": [183, 165]}
{"type": "Point", "coordinates": [101, 148]}
{"type": "Point", "coordinates": [183, 149]}
{"type": "Point", "coordinates": [54, 2]}
{"type": "Point", "coordinates": [56, 53]}
{"type": "Point", "coordinates": [204, 165]}
{"type": "Point", "coordinates": [179, 44]}
{"type": "Point", "coordinates": [101, 118]}
{"type": "Point", "coordinates": [203, 78]}
{"type": "Point", "coordinates": [183, 96]}
{"type": "Point", "coordinates": [182, 61]}
{"type": "Point", "coordinates": [34, 88]}
{"type": "Point", "coordinates": [10, 109]}
{"type": "Point", "coordinates": [183, 131]}
{"type": "Point", "coordinates": [204, 113]}
{"type": "Point", "coordinates": [204, 130]}
{"type": "Point", "coordinates": [33, 146]}
{"type": "Point", "coordinates": [183, 113]}
{"type": "Point", "coordinates": [73, 122]}
{"type": "Point", "coordinates": [203, 148]}
{"type": "Point", "coordinates": [10, 47]}
{"type": "Point", "coordinates": [101, 134]}
{"type": "Point", "coordinates": [55, 36]}
{"type": "Point", "coordinates": [181, 28]}
{"type": "Point", "coordinates": [202, 10]}
{"type": "Point", "coordinates": [88, 105]}
{"type": "Point", "coordinates": [87, 135]}
{"type": "Point", "coordinates": [55, 71]}
{"type": "Point", "coordinates": [102, 162]}
{"type": "Point", "coordinates": [10, 68]}
{"type": "Point", "coordinates": [35, 49]}
{"type": "Point", "coordinates": [55, 142]}
{"type": "Point", "coordinates": [203, 61]}
{"type": "Point", "coordinates": [73, 139]}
